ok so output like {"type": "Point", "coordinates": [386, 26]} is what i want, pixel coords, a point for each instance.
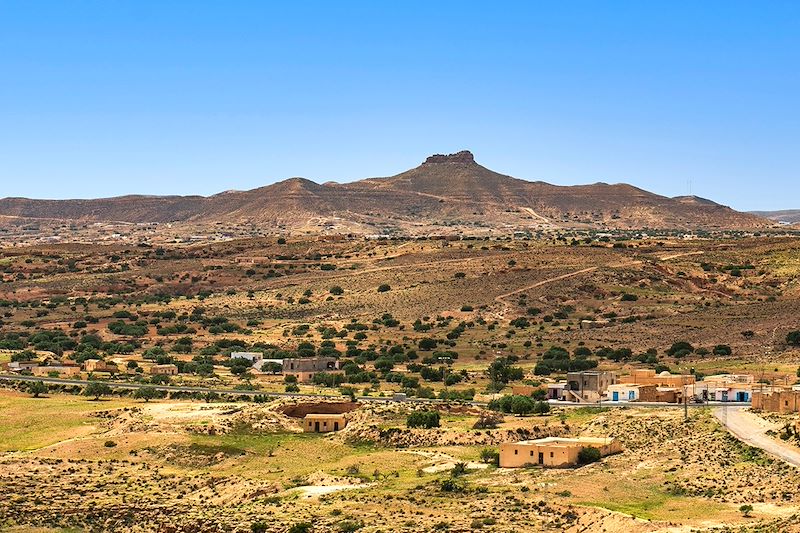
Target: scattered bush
{"type": "Point", "coordinates": [423, 419]}
{"type": "Point", "coordinates": [588, 455]}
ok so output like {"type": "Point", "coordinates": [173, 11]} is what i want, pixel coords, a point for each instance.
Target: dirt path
{"type": "Point", "coordinates": [545, 282]}
{"type": "Point", "coordinates": [682, 254]}
{"type": "Point", "coordinates": [535, 214]}
{"type": "Point", "coordinates": [503, 297]}
{"type": "Point", "coordinates": [751, 429]}
{"type": "Point", "coordinates": [443, 462]}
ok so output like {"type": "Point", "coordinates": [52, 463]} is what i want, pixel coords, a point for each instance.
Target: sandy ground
{"type": "Point", "coordinates": [315, 491]}
{"type": "Point", "coordinates": [444, 462]}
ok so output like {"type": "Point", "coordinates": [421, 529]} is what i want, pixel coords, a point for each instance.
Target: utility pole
{"type": "Point", "coordinates": [685, 400]}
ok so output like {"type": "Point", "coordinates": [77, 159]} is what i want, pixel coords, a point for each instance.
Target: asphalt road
{"type": "Point", "coordinates": [178, 388]}
{"type": "Point", "coordinates": [168, 388]}
{"type": "Point", "coordinates": [751, 429]}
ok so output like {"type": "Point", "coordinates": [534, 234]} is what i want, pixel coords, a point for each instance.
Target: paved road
{"type": "Point", "coordinates": [168, 388]}
{"type": "Point", "coordinates": [751, 429]}
{"type": "Point", "coordinates": [178, 388]}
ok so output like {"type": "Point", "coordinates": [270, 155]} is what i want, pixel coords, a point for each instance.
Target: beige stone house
{"type": "Point", "coordinates": [165, 370]}
{"type": "Point", "coordinates": [323, 423]}
{"type": "Point", "coordinates": [553, 451]}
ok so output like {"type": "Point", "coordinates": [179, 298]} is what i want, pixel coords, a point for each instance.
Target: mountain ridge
{"type": "Point", "coordinates": [444, 191]}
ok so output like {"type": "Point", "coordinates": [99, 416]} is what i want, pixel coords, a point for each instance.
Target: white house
{"type": "Point", "coordinates": [250, 356]}
{"type": "Point", "coordinates": [622, 392]}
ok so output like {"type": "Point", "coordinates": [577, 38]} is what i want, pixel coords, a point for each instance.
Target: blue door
{"type": "Point", "coordinates": [615, 396]}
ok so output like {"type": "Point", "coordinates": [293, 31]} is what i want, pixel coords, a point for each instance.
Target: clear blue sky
{"type": "Point", "coordinates": [105, 98]}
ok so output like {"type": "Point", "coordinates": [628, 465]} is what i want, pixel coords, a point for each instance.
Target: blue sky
{"type": "Point", "coordinates": [107, 98]}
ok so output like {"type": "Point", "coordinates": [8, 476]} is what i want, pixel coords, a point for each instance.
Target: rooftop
{"type": "Point", "coordinates": [569, 441]}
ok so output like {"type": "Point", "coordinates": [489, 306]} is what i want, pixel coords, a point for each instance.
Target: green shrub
{"type": "Point", "coordinates": [793, 338]}
{"type": "Point", "coordinates": [423, 419]}
{"type": "Point", "coordinates": [588, 455]}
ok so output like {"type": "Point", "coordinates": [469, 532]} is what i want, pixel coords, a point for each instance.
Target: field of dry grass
{"type": "Point", "coordinates": [196, 465]}
{"type": "Point", "coordinates": [143, 466]}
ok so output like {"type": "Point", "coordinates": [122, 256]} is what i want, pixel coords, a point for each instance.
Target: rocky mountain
{"type": "Point", "coordinates": [446, 193]}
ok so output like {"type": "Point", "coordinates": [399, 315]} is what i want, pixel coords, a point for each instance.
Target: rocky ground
{"type": "Point", "coordinates": [673, 475]}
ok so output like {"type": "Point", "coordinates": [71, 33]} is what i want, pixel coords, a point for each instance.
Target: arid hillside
{"type": "Point", "coordinates": [788, 216]}
{"type": "Point", "coordinates": [445, 194]}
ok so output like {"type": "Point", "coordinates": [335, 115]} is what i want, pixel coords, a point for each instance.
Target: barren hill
{"type": "Point", "coordinates": [787, 216]}
{"type": "Point", "coordinates": [446, 193]}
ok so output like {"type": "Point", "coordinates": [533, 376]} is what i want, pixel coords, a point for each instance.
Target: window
{"type": "Point", "coordinates": [516, 452]}
{"type": "Point", "coordinates": [551, 454]}
{"type": "Point", "coordinates": [531, 453]}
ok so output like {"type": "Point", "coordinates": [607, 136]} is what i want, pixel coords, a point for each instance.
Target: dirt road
{"type": "Point", "coordinates": [751, 429]}
{"type": "Point", "coordinates": [682, 254]}
{"type": "Point", "coordinates": [545, 282]}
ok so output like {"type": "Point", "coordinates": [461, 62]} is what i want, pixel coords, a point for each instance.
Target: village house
{"type": "Point", "coordinates": [62, 368]}
{"type": "Point", "coordinates": [323, 423]}
{"type": "Point", "coordinates": [555, 390]}
{"type": "Point", "coordinates": [97, 365]}
{"type": "Point", "coordinates": [724, 388]}
{"type": "Point", "coordinates": [19, 366]}
{"type": "Point", "coordinates": [776, 400]}
{"type": "Point", "coordinates": [631, 392]}
{"type": "Point", "coordinates": [164, 370]}
{"type": "Point", "coordinates": [307, 367]}
{"type": "Point", "coordinates": [553, 451]}
{"type": "Point", "coordinates": [587, 386]}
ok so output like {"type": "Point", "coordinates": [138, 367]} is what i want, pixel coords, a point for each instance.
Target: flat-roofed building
{"type": "Point", "coordinates": [19, 366]}
{"type": "Point", "coordinates": [555, 391]}
{"type": "Point", "coordinates": [553, 451]}
{"type": "Point", "coordinates": [164, 370]}
{"type": "Point", "coordinates": [725, 388]}
{"type": "Point", "coordinates": [632, 392]}
{"type": "Point", "coordinates": [66, 368]}
{"type": "Point", "coordinates": [97, 365]}
{"type": "Point", "coordinates": [587, 386]}
{"type": "Point", "coordinates": [776, 400]}
{"type": "Point", "coordinates": [323, 423]}
{"type": "Point", "coordinates": [305, 368]}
